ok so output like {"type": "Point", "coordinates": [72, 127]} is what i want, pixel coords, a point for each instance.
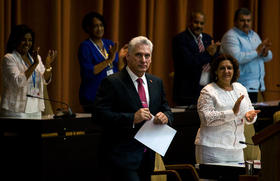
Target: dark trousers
{"type": "Point", "coordinates": [253, 97]}
{"type": "Point", "coordinates": [88, 108]}
{"type": "Point", "coordinates": [115, 173]}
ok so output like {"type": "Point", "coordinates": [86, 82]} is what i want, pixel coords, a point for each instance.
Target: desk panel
{"type": "Point", "coordinates": [50, 149]}
{"type": "Point", "coordinates": [68, 147]}
{"type": "Point", "coordinates": [182, 148]}
{"type": "Point", "coordinates": [224, 172]}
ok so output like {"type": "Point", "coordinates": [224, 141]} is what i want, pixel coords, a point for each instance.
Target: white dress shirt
{"type": "Point", "coordinates": [145, 84]}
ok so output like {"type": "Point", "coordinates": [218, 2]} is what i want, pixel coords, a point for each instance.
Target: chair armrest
{"type": "Point", "coordinates": [188, 167]}
{"type": "Point", "coordinates": [168, 172]}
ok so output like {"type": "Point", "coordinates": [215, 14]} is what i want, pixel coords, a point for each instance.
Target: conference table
{"type": "Point", "coordinates": [67, 148]}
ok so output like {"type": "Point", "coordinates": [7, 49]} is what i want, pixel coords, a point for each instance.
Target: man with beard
{"type": "Point", "coordinates": [192, 52]}
{"type": "Point", "coordinates": [245, 45]}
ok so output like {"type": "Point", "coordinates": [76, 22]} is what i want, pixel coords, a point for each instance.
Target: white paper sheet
{"type": "Point", "coordinates": [156, 136]}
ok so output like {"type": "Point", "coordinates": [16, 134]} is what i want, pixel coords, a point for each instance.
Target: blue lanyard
{"type": "Point", "coordinates": [34, 72]}
{"type": "Point", "coordinates": [105, 55]}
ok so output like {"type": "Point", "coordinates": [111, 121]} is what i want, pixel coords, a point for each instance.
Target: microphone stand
{"type": "Point", "coordinates": [65, 114]}
{"type": "Point", "coordinates": [245, 143]}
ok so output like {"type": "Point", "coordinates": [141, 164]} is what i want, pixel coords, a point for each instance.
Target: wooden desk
{"type": "Point", "coordinates": [265, 117]}
{"type": "Point", "coordinates": [182, 148]}
{"type": "Point", "coordinates": [67, 148]}
{"type": "Point", "coordinates": [50, 149]}
{"type": "Point", "coordinates": [269, 139]}
{"type": "Point", "coordinates": [223, 172]}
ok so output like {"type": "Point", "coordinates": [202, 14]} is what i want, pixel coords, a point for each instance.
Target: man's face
{"type": "Point", "coordinates": [139, 59]}
{"type": "Point", "coordinates": [244, 23]}
{"type": "Point", "coordinates": [197, 24]}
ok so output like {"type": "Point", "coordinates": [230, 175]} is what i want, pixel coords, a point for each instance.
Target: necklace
{"type": "Point", "coordinates": [102, 51]}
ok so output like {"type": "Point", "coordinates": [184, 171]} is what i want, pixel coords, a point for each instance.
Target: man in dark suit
{"type": "Point", "coordinates": [122, 106]}
{"type": "Point", "coordinates": [192, 52]}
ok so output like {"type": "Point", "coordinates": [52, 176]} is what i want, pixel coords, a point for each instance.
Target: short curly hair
{"type": "Point", "coordinates": [215, 64]}
{"type": "Point", "coordinates": [87, 20]}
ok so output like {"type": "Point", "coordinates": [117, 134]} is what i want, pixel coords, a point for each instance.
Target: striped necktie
{"type": "Point", "coordinates": [200, 44]}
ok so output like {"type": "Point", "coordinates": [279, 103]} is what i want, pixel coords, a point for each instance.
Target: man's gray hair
{"type": "Point", "coordinates": [142, 40]}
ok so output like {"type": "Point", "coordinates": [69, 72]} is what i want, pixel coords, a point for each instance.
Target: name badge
{"type": "Point", "coordinates": [110, 72]}
{"type": "Point", "coordinates": [35, 91]}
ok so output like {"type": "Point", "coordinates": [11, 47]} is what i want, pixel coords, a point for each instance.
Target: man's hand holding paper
{"type": "Point", "coordinates": [156, 136]}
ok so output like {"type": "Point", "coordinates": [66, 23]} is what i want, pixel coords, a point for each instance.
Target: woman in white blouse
{"type": "Point", "coordinates": [223, 107]}
{"type": "Point", "coordinates": [23, 73]}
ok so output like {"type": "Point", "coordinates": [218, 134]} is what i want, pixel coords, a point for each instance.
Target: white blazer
{"type": "Point", "coordinates": [15, 85]}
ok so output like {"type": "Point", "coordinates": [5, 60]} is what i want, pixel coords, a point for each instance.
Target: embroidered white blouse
{"type": "Point", "coordinates": [219, 126]}
{"type": "Point", "coordinates": [16, 86]}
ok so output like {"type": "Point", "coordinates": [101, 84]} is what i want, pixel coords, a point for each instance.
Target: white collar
{"type": "Point", "coordinates": [135, 77]}
{"type": "Point", "coordinates": [200, 35]}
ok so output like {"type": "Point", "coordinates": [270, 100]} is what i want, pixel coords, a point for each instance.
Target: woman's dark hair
{"type": "Point", "coordinates": [215, 64]}
{"type": "Point", "coordinates": [16, 36]}
{"type": "Point", "coordinates": [87, 20]}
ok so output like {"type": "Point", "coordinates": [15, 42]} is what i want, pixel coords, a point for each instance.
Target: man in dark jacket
{"type": "Point", "coordinates": [124, 101]}
{"type": "Point", "coordinates": [192, 52]}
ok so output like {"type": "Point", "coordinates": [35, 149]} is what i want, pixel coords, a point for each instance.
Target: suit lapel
{"type": "Point", "coordinates": [206, 41]}
{"type": "Point", "coordinates": [133, 94]}
{"type": "Point", "coordinates": [193, 42]}
{"type": "Point", "coordinates": [151, 90]}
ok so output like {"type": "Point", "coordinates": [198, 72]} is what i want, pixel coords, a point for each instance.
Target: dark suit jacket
{"type": "Point", "coordinates": [188, 62]}
{"type": "Point", "coordinates": [116, 102]}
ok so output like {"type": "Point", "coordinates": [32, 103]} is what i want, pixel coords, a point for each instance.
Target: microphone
{"type": "Point", "coordinates": [245, 143]}
{"type": "Point", "coordinates": [62, 114]}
